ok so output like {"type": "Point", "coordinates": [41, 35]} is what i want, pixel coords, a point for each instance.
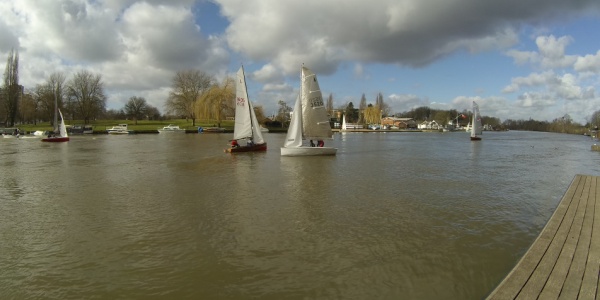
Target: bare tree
{"type": "Point", "coordinates": [283, 113]}
{"type": "Point", "coordinates": [136, 108]}
{"type": "Point", "coordinates": [48, 93]}
{"type": "Point", "coordinates": [187, 89]}
{"type": "Point", "coordinates": [260, 113]}
{"type": "Point", "coordinates": [152, 112]}
{"type": "Point", "coordinates": [11, 90]}
{"type": "Point", "coordinates": [85, 94]}
{"type": "Point", "coordinates": [218, 101]}
{"type": "Point", "coordinates": [28, 108]}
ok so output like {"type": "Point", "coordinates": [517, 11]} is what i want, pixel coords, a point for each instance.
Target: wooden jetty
{"type": "Point", "coordinates": [564, 261]}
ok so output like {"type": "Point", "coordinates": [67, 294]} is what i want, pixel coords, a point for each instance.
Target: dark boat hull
{"type": "Point", "coordinates": [256, 147]}
{"type": "Point", "coordinates": [56, 139]}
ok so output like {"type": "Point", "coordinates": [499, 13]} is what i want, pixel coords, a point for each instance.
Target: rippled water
{"type": "Point", "coordinates": [393, 215]}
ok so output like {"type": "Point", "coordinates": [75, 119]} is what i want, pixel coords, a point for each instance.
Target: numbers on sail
{"type": "Point", "coordinates": [316, 102]}
{"type": "Point", "coordinates": [240, 101]}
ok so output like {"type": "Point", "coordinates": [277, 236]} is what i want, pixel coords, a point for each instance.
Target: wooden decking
{"type": "Point", "coordinates": [564, 261]}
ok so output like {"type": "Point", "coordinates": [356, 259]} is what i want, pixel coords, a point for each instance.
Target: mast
{"type": "Point", "coordinates": [55, 110]}
{"type": "Point", "coordinates": [249, 105]}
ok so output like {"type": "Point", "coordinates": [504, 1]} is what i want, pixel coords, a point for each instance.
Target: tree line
{"type": "Point", "coordinates": [194, 95]}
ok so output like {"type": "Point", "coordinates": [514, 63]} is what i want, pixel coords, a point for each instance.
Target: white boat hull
{"type": "Point", "coordinates": [171, 130]}
{"type": "Point", "coordinates": [308, 151]}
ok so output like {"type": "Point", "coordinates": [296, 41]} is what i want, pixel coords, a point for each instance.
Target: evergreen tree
{"type": "Point", "coordinates": [11, 90]}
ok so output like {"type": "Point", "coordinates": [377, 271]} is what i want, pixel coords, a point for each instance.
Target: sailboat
{"type": "Point", "coordinates": [344, 126]}
{"type": "Point", "coordinates": [476, 127]}
{"type": "Point", "coordinates": [246, 125]}
{"type": "Point", "coordinates": [309, 121]}
{"type": "Point", "coordinates": [62, 135]}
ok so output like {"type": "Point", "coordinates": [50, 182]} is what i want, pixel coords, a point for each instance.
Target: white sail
{"type": "Point", "coordinates": [344, 126]}
{"type": "Point", "coordinates": [63, 128]}
{"type": "Point", "coordinates": [315, 123]}
{"type": "Point", "coordinates": [246, 125]}
{"type": "Point", "coordinates": [294, 134]}
{"type": "Point", "coordinates": [476, 127]}
{"type": "Point", "coordinates": [256, 132]}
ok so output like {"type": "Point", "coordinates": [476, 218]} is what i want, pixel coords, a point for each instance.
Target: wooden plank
{"type": "Point", "coordinates": [541, 274]}
{"type": "Point", "coordinates": [589, 285]}
{"type": "Point", "coordinates": [514, 282]}
{"type": "Point", "coordinates": [574, 279]}
{"type": "Point", "coordinates": [558, 276]}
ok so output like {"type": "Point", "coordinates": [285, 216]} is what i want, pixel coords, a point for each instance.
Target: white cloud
{"type": "Point", "coordinates": [588, 63]}
{"type": "Point", "coordinates": [137, 46]}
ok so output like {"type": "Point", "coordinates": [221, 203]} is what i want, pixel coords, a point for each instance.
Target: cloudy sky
{"type": "Point", "coordinates": [518, 59]}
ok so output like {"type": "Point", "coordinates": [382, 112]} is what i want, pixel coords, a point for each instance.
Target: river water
{"type": "Point", "coordinates": [392, 216]}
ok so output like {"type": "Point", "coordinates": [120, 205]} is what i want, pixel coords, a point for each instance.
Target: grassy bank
{"type": "Point", "coordinates": [142, 126]}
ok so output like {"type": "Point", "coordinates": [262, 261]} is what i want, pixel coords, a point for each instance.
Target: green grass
{"type": "Point", "coordinates": [142, 125]}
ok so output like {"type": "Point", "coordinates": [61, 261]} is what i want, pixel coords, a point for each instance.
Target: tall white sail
{"type": "Point", "coordinates": [344, 126]}
{"type": "Point", "coordinates": [294, 134]}
{"type": "Point", "coordinates": [477, 127]}
{"type": "Point", "coordinates": [315, 122]}
{"type": "Point", "coordinates": [243, 124]}
{"type": "Point", "coordinates": [246, 124]}
{"type": "Point", "coordinates": [256, 133]}
{"type": "Point", "coordinates": [63, 128]}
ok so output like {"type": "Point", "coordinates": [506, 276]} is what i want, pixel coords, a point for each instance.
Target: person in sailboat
{"type": "Point", "coordinates": [320, 143]}
{"type": "Point", "coordinates": [312, 144]}
{"type": "Point", "coordinates": [250, 142]}
{"type": "Point", "coordinates": [234, 144]}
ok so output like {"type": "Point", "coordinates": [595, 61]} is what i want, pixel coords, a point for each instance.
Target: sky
{"type": "Point", "coordinates": [518, 59]}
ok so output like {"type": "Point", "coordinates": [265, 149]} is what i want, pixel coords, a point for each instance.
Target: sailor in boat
{"type": "Point", "coordinates": [234, 144]}
{"type": "Point", "coordinates": [249, 143]}
{"type": "Point", "coordinates": [320, 143]}
{"type": "Point", "coordinates": [311, 143]}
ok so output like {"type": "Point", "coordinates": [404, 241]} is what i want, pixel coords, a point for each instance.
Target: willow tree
{"type": "Point", "coordinates": [11, 91]}
{"type": "Point", "coordinates": [372, 114]}
{"type": "Point", "coordinates": [218, 102]}
{"type": "Point", "coordinates": [85, 94]}
{"type": "Point", "coordinates": [187, 90]}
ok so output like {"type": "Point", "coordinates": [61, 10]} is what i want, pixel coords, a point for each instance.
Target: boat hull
{"type": "Point", "coordinates": [56, 139]}
{"type": "Point", "coordinates": [475, 138]}
{"type": "Point", "coordinates": [308, 151]}
{"type": "Point", "coordinates": [257, 147]}
{"type": "Point", "coordinates": [171, 130]}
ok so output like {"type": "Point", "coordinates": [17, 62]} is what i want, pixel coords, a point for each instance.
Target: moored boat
{"type": "Point", "coordinates": [119, 129]}
{"type": "Point", "coordinates": [171, 128]}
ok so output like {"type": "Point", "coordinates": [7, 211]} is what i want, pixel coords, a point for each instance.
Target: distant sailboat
{"type": "Point", "coordinates": [476, 127]}
{"type": "Point", "coordinates": [309, 121]}
{"type": "Point", "coordinates": [344, 126]}
{"type": "Point", "coordinates": [59, 134]}
{"type": "Point", "coordinates": [246, 125]}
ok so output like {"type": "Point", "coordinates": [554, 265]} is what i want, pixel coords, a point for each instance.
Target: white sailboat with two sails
{"type": "Point", "coordinates": [309, 121]}
{"type": "Point", "coordinates": [476, 127]}
{"type": "Point", "coordinates": [246, 125]}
